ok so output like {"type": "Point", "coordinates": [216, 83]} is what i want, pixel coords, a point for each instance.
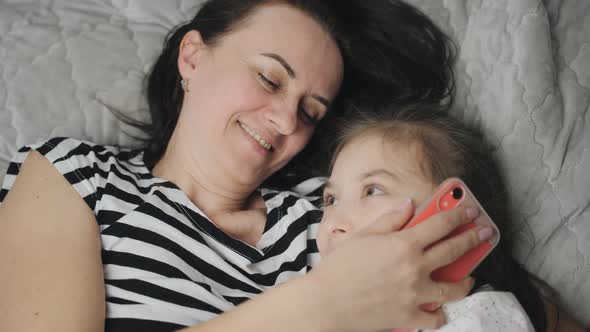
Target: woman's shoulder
{"type": "Point", "coordinates": [77, 155]}
{"type": "Point", "coordinates": [84, 164]}
{"type": "Point", "coordinates": [61, 148]}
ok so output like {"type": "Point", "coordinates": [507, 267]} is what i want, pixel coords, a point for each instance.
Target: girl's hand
{"type": "Point", "coordinates": [377, 279]}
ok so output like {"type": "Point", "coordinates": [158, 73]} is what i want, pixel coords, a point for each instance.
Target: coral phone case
{"type": "Point", "coordinates": [451, 193]}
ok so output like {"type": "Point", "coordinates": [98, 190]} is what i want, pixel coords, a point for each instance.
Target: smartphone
{"type": "Point", "coordinates": [452, 193]}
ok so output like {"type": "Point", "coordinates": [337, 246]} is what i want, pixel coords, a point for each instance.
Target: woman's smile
{"type": "Point", "coordinates": [267, 146]}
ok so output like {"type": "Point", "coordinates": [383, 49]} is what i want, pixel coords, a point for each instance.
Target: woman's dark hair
{"type": "Point", "coordinates": [449, 148]}
{"type": "Point", "coordinates": [391, 52]}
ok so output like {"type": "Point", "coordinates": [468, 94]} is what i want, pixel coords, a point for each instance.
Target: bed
{"type": "Point", "coordinates": [523, 75]}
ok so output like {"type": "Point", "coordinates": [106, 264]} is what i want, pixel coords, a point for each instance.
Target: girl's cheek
{"type": "Point", "coordinates": [321, 238]}
{"type": "Point", "coordinates": [376, 207]}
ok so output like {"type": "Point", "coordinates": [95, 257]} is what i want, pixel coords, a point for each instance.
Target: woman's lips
{"type": "Point", "coordinates": [267, 146]}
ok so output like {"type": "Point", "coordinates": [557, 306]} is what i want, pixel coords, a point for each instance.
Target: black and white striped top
{"type": "Point", "coordinates": [166, 265]}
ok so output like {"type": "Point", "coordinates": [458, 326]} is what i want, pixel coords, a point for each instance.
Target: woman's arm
{"type": "Point", "coordinates": [51, 275]}
{"type": "Point", "coordinates": [292, 306]}
{"type": "Point", "coordinates": [369, 283]}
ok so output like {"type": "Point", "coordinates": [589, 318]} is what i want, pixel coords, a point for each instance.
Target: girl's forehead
{"type": "Point", "coordinates": [403, 154]}
{"type": "Point", "coordinates": [394, 164]}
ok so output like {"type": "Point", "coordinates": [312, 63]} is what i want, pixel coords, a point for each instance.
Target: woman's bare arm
{"type": "Point", "coordinates": [292, 306]}
{"type": "Point", "coordinates": [51, 275]}
{"type": "Point", "coordinates": [355, 289]}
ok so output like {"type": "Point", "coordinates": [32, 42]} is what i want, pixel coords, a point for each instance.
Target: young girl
{"type": "Point", "coordinates": [380, 162]}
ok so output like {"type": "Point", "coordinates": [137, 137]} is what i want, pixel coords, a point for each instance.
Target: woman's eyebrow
{"type": "Point", "coordinates": [321, 99]}
{"type": "Point", "coordinates": [282, 61]}
{"type": "Point", "coordinates": [292, 74]}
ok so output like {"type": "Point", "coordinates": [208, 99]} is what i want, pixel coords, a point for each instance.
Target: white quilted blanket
{"type": "Point", "coordinates": [523, 74]}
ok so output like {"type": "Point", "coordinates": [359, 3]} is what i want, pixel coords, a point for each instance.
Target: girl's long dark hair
{"type": "Point", "coordinates": [391, 51]}
{"type": "Point", "coordinates": [452, 149]}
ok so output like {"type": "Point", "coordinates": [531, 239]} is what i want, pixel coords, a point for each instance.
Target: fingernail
{"type": "Point", "coordinates": [472, 212]}
{"type": "Point", "coordinates": [485, 233]}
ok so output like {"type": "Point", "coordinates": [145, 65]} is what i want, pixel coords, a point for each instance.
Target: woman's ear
{"type": "Point", "coordinates": [189, 51]}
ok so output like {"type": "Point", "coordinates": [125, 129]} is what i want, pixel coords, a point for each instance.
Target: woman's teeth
{"type": "Point", "coordinates": [257, 137]}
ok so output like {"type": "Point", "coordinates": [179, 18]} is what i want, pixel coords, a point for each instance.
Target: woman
{"type": "Point", "coordinates": [181, 232]}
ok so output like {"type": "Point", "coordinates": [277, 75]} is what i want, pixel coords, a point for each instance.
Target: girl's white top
{"type": "Point", "coordinates": [486, 311]}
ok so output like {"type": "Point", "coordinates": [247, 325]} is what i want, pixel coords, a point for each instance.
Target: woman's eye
{"type": "Point", "coordinates": [269, 84]}
{"type": "Point", "coordinates": [328, 200]}
{"type": "Point", "coordinates": [307, 117]}
{"type": "Point", "coordinates": [373, 191]}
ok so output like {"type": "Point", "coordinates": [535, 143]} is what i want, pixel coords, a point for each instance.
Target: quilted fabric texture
{"type": "Point", "coordinates": [523, 76]}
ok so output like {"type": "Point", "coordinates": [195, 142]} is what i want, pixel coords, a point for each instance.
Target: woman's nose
{"type": "Point", "coordinates": [284, 119]}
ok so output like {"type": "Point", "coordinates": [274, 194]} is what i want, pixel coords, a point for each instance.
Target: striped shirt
{"type": "Point", "coordinates": [166, 265]}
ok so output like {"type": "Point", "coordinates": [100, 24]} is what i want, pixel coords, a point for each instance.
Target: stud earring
{"type": "Point", "coordinates": [184, 83]}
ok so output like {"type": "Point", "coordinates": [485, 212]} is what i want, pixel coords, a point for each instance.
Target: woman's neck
{"type": "Point", "coordinates": [211, 192]}
{"type": "Point", "coordinates": [240, 214]}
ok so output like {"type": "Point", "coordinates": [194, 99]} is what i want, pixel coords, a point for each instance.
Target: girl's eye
{"type": "Point", "coordinates": [268, 83]}
{"type": "Point", "coordinates": [373, 191]}
{"type": "Point", "coordinates": [329, 200]}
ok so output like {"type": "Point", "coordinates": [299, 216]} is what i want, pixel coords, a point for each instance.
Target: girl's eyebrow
{"type": "Point", "coordinates": [376, 172]}
{"type": "Point", "coordinates": [381, 171]}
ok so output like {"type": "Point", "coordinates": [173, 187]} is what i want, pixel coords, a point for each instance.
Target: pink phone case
{"type": "Point", "coordinates": [451, 193]}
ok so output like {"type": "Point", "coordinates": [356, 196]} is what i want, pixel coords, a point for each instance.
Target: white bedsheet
{"type": "Point", "coordinates": [523, 74]}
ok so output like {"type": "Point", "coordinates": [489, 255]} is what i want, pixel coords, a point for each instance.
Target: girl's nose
{"type": "Point", "coordinates": [340, 231]}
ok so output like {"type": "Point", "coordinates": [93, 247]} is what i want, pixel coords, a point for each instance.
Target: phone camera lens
{"type": "Point", "coordinates": [457, 193]}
